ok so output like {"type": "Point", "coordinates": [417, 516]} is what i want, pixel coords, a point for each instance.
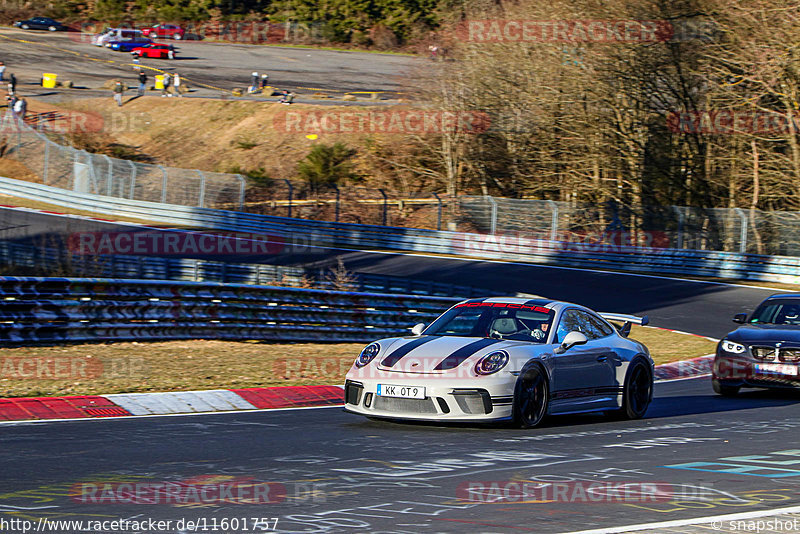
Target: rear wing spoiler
{"type": "Point", "coordinates": [626, 320]}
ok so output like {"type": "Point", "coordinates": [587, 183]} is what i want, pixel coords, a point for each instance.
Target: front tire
{"type": "Point", "coordinates": [25, 27]}
{"type": "Point", "coordinates": [722, 389]}
{"type": "Point", "coordinates": [52, 29]}
{"type": "Point", "coordinates": [637, 391]}
{"type": "Point", "coordinates": [531, 398]}
{"type": "Point", "coordinates": [176, 36]}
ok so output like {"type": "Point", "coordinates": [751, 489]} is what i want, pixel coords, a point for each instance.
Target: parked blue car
{"type": "Point", "coordinates": [127, 46]}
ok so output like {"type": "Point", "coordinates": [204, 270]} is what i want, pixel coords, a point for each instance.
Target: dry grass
{"type": "Point", "coordinates": [197, 365]}
{"type": "Point", "coordinates": [666, 346]}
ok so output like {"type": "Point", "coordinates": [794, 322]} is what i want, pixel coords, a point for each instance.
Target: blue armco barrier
{"type": "Point", "coordinates": [342, 236]}
{"type": "Point", "coordinates": [51, 310]}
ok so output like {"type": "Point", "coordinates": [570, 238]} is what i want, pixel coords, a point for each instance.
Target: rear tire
{"type": "Point", "coordinates": [637, 392]}
{"type": "Point", "coordinates": [531, 398]}
{"type": "Point", "coordinates": [52, 29]}
{"type": "Point", "coordinates": [722, 389]}
{"type": "Point", "coordinates": [176, 36]}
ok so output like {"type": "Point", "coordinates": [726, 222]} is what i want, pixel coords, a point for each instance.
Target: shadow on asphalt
{"type": "Point", "coordinates": [662, 407]}
{"type": "Point", "coordinates": [699, 404]}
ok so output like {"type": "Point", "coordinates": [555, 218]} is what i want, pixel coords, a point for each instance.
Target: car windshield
{"type": "Point", "coordinates": [497, 320]}
{"type": "Point", "coordinates": [777, 311]}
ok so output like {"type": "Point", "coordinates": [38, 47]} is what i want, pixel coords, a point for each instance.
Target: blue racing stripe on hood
{"type": "Point", "coordinates": [456, 358]}
{"type": "Point", "coordinates": [394, 357]}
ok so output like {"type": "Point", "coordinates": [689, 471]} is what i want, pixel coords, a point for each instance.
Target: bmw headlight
{"type": "Point", "coordinates": [730, 346]}
{"type": "Point", "coordinates": [491, 363]}
{"type": "Point", "coordinates": [368, 354]}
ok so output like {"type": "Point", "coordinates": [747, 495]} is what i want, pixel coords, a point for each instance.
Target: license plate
{"type": "Point", "coordinates": [405, 392]}
{"type": "Point", "coordinates": [776, 369]}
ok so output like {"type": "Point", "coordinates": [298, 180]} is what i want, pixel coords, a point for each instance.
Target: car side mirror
{"type": "Point", "coordinates": [418, 328]}
{"type": "Point", "coordinates": [570, 340]}
{"type": "Point", "coordinates": [740, 318]}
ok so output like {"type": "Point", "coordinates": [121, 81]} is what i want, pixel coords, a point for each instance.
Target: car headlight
{"type": "Point", "coordinates": [368, 354]}
{"type": "Point", "coordinates": [730, 346]}
{"type": "Point", "coordinates": [491, 363]}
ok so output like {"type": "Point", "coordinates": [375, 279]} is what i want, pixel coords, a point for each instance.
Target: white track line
{"type": "Point", "coordinates": [118, 417]}
{"type": "Point", "coordinates": [717, 520]}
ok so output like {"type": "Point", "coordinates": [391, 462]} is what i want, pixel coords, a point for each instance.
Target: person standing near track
{"type": "Point", "coordinates": [253, 83]}
{"type": "Point", "coordinates": [20, 109]}
{"type": "Point", "coordinates": [264, 81]}
{"type": "Point", "coordinates": [12, 84]}
{"type": "Point", "coordinates": [167, 81]}
{"type": "Point", "coordinates": [176, 83]}
{"type": "Point", "coordinates": [142, 83]}
{"type": "Point", "coordinates": [2, 70]}
{"type": "Point", "coordinates": [118, 90]}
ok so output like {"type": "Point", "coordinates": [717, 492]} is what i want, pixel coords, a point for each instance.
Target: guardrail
{"type": "Point", "coordinates": [45, 260]}
{"type": "Point", "coordinates": [53, 310]}
{"type": "Point", "coordinates": [344, 236]}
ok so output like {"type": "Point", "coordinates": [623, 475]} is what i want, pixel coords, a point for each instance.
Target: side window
{"type": "Point", "coordinates": [599, 326]}
{"type": "Point", "coordinates": [580, 321]}
{"type": "Point", "coordinates": [570, 321]}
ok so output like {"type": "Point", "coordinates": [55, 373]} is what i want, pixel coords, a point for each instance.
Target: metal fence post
{"type": "Point", "coordinates": [553, 220]}
{"type": "Point", "coordinates": [110, 177]}
{"type": "Point", "coordinates": [678, 210]}
{"type": "Point", "coordinates": [163, 184]}
{"type": "Point", "coordinates": [385, 205]}
{"type": "Point", "coordinates": [133, 180]}
{"type": "Point", "coordinates": [291, 189]}
{"type": "Point", "coordinates": [202, 200]}
{"type": "Point", "coordinates": [46, 160]}
{"type": "Point", "coordinates": [338, 196]}
{"type": "Point", "coordinates": [242, 186]}
{"type": "Point", "coordinates": [743, 230]}
{"type": "Point", "coordinates": [438, 212]}
{"type": "Point", "coordinates": [493, 223]}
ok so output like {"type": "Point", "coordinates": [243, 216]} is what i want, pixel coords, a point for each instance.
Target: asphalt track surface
{"type": "Point", "coordinates": [335, 472]}
{"type": "Point", "coordinates": [213, 69]}
{"type": "Point", "coordinates": [695, 455]}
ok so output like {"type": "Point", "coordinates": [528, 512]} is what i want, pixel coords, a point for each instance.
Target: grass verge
{"type": "Point", "coordinates": [196, 365]}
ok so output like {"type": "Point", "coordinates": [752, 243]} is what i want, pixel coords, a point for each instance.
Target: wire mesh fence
{"type": "Point", "coordinates": [70, 168]}
{"type": "Point", "coordinates": [573, 224]}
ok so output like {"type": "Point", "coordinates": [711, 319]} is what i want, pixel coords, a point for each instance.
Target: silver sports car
{"type": "Point", "coordinates": [505, 358]}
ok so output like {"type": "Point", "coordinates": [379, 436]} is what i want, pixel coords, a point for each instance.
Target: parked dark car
{"type": "Point", "coordinates": [41, 23]}
{"type": "Point", "coordinates": [764, 352]}
{"type": "Point", "coordinates": [128, 46]}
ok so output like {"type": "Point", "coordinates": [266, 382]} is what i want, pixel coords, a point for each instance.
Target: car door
{"type": "Point", "coordinates": [38, 23]}
{"type": "Point", "coordinates": [584, 376]}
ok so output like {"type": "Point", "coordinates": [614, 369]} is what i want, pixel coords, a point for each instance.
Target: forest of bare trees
{"type": "Point", "coordinates": [700, 113]}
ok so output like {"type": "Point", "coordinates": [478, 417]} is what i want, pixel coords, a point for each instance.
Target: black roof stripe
{"type": "Point", "coordinates": [538, 302]}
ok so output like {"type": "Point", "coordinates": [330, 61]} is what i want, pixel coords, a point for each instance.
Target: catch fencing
{"type": "Point", "coordinates": [319, 236]}
{"type": "Point", "coordinates": [669, 227]}
{"type": "Point", "coordinates": [55, 310]}
{"type": "Point", "coordinates": [78, 170]}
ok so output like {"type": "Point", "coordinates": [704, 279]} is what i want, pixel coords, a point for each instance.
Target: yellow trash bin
{"type": "Point", "coordinates": [159, 81]}
{"type": "Point", "coordinates": [49, 80]}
